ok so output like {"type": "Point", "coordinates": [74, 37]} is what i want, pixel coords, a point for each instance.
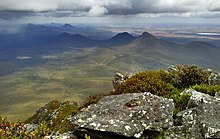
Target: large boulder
{"type": "Point", "coordinates": [128, 115]}
{"type": "Point", "coordinates": [207, 109]}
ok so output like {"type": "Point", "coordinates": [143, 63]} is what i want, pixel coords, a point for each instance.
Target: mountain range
{"type": "Point", "coordinates": [40, 63]}
{"type": "Point", "coordinates": [146, 50]}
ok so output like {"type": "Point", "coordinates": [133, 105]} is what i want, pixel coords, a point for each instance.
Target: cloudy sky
{"type": "Point", "coordinates": [110, 11]}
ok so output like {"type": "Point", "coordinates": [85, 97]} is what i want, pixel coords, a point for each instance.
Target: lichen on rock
{"type": "Point", "coordinates": [201, 119]}
{"type": "Point", "coordinates": [127, 114]}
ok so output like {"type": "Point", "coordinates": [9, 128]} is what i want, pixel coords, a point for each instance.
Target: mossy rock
{"type": "Point", "coordinates": [55, 115]}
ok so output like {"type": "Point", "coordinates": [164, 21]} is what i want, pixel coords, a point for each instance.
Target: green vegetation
{"type": "Point", "coordinates": [166, 84]}
{"type": "Point", "coordinates": [186, 76]}
{"type": "Point", "coordinates": [55, 114]}
{"type": "Point", "coordinates": [169, 84]}
{"type": "Point", "coordinates": [148, 81]}
{"type": "Point", "coordinates": [207, 89]}
{"type": "Point", "coordinates": [158, 82]}
{"type": "Point", "coordinates": [69, 77]}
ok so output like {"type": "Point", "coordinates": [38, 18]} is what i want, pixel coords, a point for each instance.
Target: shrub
{"type": "Point", "coordinates": [207, 89]}
{"type": "Point", "coordinates": [186, 76]}
{"type": "Point", "coordinates": [180, 102]}
{"type": "Point", "coordinates": [155, 82]}
{"type": "Point", "coordinates": [11, 130]}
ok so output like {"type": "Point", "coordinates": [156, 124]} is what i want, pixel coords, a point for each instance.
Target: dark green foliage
{"type": "Point", "coordinates": [60, 123]}
{"type": "Point", "coordinates": [186, 76]}
{"type": "Point", "coordinates": [180, 102]}
{"type": "Point", "coordinates": [207, 89]}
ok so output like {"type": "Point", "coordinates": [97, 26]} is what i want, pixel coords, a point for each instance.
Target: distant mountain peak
{"type": "Point", "coordinates": [67, 26]}
{"type": "Point", "coordinates": [124, 36]}
{"type": "Point", "coordinates": [32, 28]}
{"type": "Point", "coordinates": [124, 33]}
{"type": "Point", "coordinates": [30, 25]}
{"type": "Point", "coordinates": [148, 38]}
{"type": "Point", "coordinates": [147, 35]}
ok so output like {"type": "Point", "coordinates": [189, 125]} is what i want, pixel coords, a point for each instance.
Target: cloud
{"type": "Point", "coordinates": [98, 11]}
{"type": "Point", "coordinates": [215, 6]}
{"type": "Point", "coordinates": [107, 7]}
{"type": "Point", "coordinates": [8, 15]}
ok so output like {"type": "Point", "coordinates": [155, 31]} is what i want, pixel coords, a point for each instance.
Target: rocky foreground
{"type": "Point", "coordinates": [143, 115]}
{"type": "Point", "coordinates": [166, 111]}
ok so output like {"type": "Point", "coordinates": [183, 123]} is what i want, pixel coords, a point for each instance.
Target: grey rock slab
{"type": "Point", "coordinates": [127, 114]}
{"type": "Point", "coordinates": [208, 110]}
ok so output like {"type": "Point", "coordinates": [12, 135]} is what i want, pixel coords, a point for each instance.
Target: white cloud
{"type": "Point", "coordinates": [98, 11]}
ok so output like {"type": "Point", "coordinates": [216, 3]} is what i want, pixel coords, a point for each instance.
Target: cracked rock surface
{"type": "Point", "coordinates": [127, 114]}
{"type": "Point", "coordinates": [201, 119]}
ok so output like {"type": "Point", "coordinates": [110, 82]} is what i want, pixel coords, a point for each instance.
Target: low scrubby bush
{"type": "Point", "coordinates": [155, 82]}
{"type": "Point", "coordinates": [158, 82]}
{"type": "Point", "coordinates": [207, 89]}
{"type": "Point", "coordinates": [17, 130]}
{"type": "Point", "coordinates": [184, 76]}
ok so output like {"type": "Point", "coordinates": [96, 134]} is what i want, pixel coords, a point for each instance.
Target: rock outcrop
{"type": "Point", "coordinates": [208, 110]}
{"type": "Point", "coordinates": [119, 79]}
{"type": "Point", "coordinates": [129, 115]}
{"type": "Point", "coordinates": [143, 115]}
{"type": "Point", "coordinates": [214, 78]}
{"type": "Point", "coordinates": [200, 120]}
{"type": "Point", "coordinates": [54, 115]}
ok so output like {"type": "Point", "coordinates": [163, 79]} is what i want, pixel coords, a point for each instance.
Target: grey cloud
{"type": "Point", "coordinates": [8, 15]}
{"type": "Point", "coordinates": [105, 7]}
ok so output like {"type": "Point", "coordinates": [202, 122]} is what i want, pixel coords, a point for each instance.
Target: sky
{"type": "Point", "coordinates": [118, 12]}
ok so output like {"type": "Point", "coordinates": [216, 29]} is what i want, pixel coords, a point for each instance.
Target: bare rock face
{"type": "Point", "coordinates": [214, 78]}
{"type": "Point", "coordinates": [187, 126]}
{"type": "Point", "coordinates": [204, 111]}
{"type": "Point", "coordinates": [128, 115]}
